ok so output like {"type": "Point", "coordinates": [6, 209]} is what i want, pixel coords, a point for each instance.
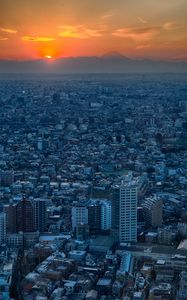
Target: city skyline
{"type": "Point", "coordinates": [147, 29]}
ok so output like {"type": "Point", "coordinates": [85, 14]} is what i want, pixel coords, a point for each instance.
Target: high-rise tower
{"type": "Point", "coordinates": [128, 212]}
{"type": "Point", "coordinates": [40, 216]}
{"type": "Point", "coordinates": [2, 228]}
{"type": "Point", "coordinates": [124, 209]}
{"type": "Point", "coordinates": [25, 216]}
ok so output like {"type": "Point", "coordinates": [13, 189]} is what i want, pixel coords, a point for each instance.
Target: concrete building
{"type": "Point", "coordinates": [2, 228]}
{"type": "Point", "coordinates": [40, 217]}
{"type": "Point", "coordinates": [106, 215]}
{"type": "Point", "coordinates": [6, 177]}
{"type": "Point", "coordinates": [161, 291]}
{"type": "Point", "coordinates": [124, 208]}
{"type": "Point", "coordinates": [182, 227]}
{"type": "Point", "coordinates": [25, 216]}
{"type": "Point", "coordinates": [10, 211]}
{"type": "Point", "coordinates": [183, 286]}
{"type": "Point", "coordinates": [82, 232]}
{"type": "Point", "coordinates": [104, 286]}
{"type": "Point", "coordinates": [15, 240]}
{"type": "Point", "coordinates": [140, 219]}
{"type": "Point", "coordinates": [153, 211]}
{"type": "Point", "coordinates": [166, 235]}
{"type": "Point", "coordinates": [94, 216]}
{"type": "Point", "coordinates": [115, 209]}
{"type": "Point", "coordinates": [128, 211]}
{"type": "Point", "coordinates": [79, 216]}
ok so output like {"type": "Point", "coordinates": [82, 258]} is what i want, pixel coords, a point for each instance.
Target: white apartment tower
{"type": "Point", "coordinates": [128, 194]}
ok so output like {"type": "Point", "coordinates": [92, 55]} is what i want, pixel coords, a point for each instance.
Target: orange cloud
{"type": "Point", "coordinates": [79, 32]}
{"type": "Point", "coordinates": [3, 38]}
{"type": "Point", "coordinates": [139, 47]}
{"type": "Point", "coordinates": [141, 20]}
{"type": "Point", "coordinates": [8, 30]}
{"type": "Point", "coordinates": [137, 34]}
{"type": "Point", "coordinates": [37, 39]}
{"type": "Point", "coordinates": [170, 26]}
{"type": "Point", "coordinates": [106, 16]}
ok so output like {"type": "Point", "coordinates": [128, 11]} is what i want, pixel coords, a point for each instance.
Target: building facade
{"type": "Point", "coordinates": [2, 228]}
{"type": "Point", "coordinates": [40, 217]}
{"type": "Point", "coordinates": [153, 211]}
{"type": "Point", "coordinates": [79, 216]}
{"type": "Point", "coordinates": [25, 216]}
{"type": "Point", "coordinates": [94, 217]}
{"type": "Point", "coordinates": [10, 211]}
{"type": "Point", "coordinates": [128, 212]}
{"type": "Point", "coordinates": [106, 215]}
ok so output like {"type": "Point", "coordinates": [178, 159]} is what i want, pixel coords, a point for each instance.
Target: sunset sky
{"type": "Point", "coordinates": [33, 29]}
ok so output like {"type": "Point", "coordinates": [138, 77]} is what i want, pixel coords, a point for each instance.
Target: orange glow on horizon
{"type": "Point", "coordinates": [93, 28]}
{"type": "Point", "coordinates": [50, 51]}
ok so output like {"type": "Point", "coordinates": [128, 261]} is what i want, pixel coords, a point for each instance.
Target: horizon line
{"type": "Point", "coordinates": [103, 56]}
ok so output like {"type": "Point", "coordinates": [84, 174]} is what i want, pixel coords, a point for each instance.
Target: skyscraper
{"type": "Point", "coordinates": [94, 216]}
{"type": "Point", "coordinates": [2, 227]}
{"type": "Point", "coordinates": [128, 212]}
{"type": "Point", "coordinates": [10, 211]}
{"type": "Point", "coordinates": [105, 215]}
{"type": "Point", "coordinates": [124, 209]}
{"type": "Point", "coordinates": [25, 216]}
{"type": "Point", "coordinates": [40, 214]}
{"type": "Point", "coordinates": [115, 209]}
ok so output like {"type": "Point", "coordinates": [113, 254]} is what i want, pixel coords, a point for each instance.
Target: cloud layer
{"type": "Point", "coordinates": [79, 32]}
{"type": "Point", "coordinates": [8, 30]}
{"type": "Point", "coordinates": [37, 39]}
{"type": "Point", "coordinates": [34, 28]}
{"type": "Point", "coordinates": [137, 34]}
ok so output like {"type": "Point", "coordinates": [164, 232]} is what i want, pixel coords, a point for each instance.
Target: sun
{"type": "Point", "coordinates": [48, 56]}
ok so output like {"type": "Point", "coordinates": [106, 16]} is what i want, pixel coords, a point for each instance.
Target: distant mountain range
{"type": "Point", "coordinates": [109, 63]}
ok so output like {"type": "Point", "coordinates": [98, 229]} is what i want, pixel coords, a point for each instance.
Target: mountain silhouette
{"type": "Point", "coordinates": [109, 63]}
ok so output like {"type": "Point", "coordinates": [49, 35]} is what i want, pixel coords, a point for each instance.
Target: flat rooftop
{"type": "Point", "coordinates": [103, 241]}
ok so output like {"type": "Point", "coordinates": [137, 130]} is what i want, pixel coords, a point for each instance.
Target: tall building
{"type": "Point", "coordinates": [140, 219]}
{"type": "Point", "coordinates": [10, 211]}
{"type": "Point", "coordinates": [153, 211]}
{"type": "Point", "coordinates": [124, 209]}
{"type": "Point", "coordinates": [115, 208]}
{"type": "Point", "coordinates": [94, 216]}
{"type": "Point", "coordinates": [25, 216]}
{"type": "Point", "coordinates": [79, 216]}
{"type": "Point", "coordinates": [128, 212]}
{"type": "Point", "coordinates": [40, 217]}
{"type": "Point", "coordinates": [106, 215]}
{"type": "Point", "coordinates": [2, 228]}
